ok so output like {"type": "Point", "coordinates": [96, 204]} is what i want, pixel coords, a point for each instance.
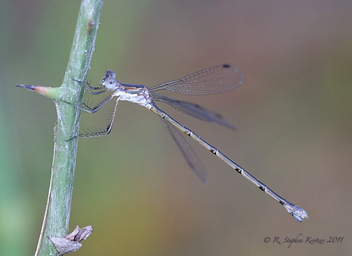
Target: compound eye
{"type": "Point", "coordinates": [110, 83]}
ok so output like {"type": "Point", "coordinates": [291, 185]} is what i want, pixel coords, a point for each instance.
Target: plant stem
{"type": "Point", "coordinates": [57, 214]}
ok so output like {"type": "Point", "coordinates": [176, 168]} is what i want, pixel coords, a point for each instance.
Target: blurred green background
{"type": "Point", "coordinates": [293, 119]}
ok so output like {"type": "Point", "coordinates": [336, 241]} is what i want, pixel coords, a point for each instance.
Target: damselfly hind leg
{"type": "Point", "coordinates": [92, 109]}
{"type": "Point", "coordinates": [96, 133]}
{"type": "Point", "coordinates": [106, 131]}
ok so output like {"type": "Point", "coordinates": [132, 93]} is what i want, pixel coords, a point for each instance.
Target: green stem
{"type": "Point", "coordinates": [57, 215]}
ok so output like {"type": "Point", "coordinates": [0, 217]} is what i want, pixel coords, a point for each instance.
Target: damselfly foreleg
{"type": "Point", "coordinates": [92, 89]}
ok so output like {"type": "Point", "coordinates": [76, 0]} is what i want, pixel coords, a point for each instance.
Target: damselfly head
{"type": "Point", "coordinates": [109, 80]}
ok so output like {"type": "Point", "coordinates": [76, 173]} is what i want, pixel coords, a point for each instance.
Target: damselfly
{"type": "Point", "coordinates": [218, 79]}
